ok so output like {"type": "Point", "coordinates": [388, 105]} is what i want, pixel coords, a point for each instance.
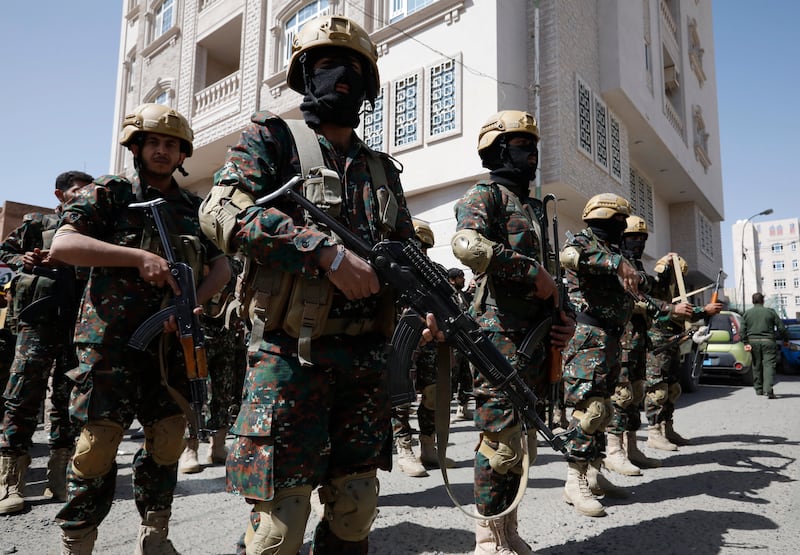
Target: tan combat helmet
{"type": "Point", "coordinates": [665, 262]}
{"type": "Point", "coordinates": [605, 206]}
{"type": "Point", "coordinates": [635, 225]}
{"type": "Point", "coordinates": [507, 121]}
{"type": "Point", "coordinates": [157, 118]}
{"type": "Point", "coordinates": [331, 30]}
{"type": "Point", "coordinates": [424, 233]}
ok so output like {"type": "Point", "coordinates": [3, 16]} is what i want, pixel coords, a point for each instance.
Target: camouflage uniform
{"type": "Point", "coordinates": [115, 382]}
{"type": "Point", "coordinates": [307, 425]}
{"type": "Point", "coordinates": [506, 309]}
{"type": "Point", "coordinates": [591, 360]}
{"type": "Point", "coordinates": [41, 347]}
{"type": "Point", "coordinates": [425, 366]}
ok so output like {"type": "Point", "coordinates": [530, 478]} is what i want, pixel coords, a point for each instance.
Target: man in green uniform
{"type": "Point", "coordinates": [759, 327]}
{"type": "Point", "coordinates": [131, 281]}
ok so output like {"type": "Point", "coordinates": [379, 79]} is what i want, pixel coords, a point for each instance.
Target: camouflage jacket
{"type": "Point", "coordinates": [594, 286]}
{"type": "Point", "coordinates": [117, 300]}
{"type": "Point", "coordinates": [504, 298]}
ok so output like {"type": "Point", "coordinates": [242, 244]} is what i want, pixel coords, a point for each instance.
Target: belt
{"type": "Point", "coordinates": [609, 328]}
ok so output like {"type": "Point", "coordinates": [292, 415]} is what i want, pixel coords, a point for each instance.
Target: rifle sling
{"type": "Point", "coordinates": [176, 395]}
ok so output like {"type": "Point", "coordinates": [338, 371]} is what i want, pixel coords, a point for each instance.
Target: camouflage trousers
{"type": "Point", "coordinates": [591, 368]}
{"type": "Point", "coordinates": [117, 383]}
{"type": "Point", "coordinates": [39, 352]}
{"type": "Point", "coordinates": [8, 343]}
{"type": "Point", "coordinates": [663, 370]}
{"type": "Point", "coordinates": [227, 363]}
{"type": "Point", "coordinates": [425, 375]}
{"type": "Point", "coordinates": [493, 491]}
{"type": "Point", "coordinates": [633, 365]}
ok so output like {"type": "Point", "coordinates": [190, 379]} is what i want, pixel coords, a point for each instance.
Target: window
{"type": "Point", "coordinates": [777, 265]}
{"type": "Point", "coordinates": [585, 119]}
{"type": "Point", "coordinates": [794, 246]}
{"type": "Point", "coordinates": [796, 283]}
{"type": "Point", "coordinates": [163, 18]}
{"type": "Point", "coordinates": [296, 22]}
{"type": "Point", "coordinates": [614, 147]}
{"type": "Point", "coordinates": [779, 284]}
{"type": "Point", "coordinates": [398, 9]}
{"type": "Point", "coordinates": [375, 123]}
{"type": "Point", "coordinates": [406, 116]}
{"type": "Point", "coordinates": [706, 235]}
{"type": "Point", "coordinates": [797, 299]}
{"type": "Point", "coordinates": [162, 98]}
{"type": "Point", "coordinates": [777, 247]}
{"type": "Point", "coordinates": [443, 94]}
{"type": "Point", "coordinates": [641, 198]}
{"type": "Point", "coordinates": [599, 131]}
{"type": "Point", "coordinates": [795, 265]}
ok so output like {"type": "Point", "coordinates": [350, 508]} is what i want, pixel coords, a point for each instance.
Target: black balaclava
{"type": "Point", "coordinates": [509, 164]}
{"type": "Point", "coordinates": [632, 245]}
{"type": "Point", "coordinates": [609, 230]}
{"type": "Point", "coordinates": [322, 103]}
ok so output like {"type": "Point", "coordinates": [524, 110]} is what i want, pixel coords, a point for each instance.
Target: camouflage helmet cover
{"type": "Point", "coordinates": [605, 206]}
{"type": "Point", "coordinates": [156, 118]}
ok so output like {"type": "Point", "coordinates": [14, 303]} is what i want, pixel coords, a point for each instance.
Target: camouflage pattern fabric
{"type": "Point", "coordinates": [227, 362]}
{"type": "Point", "coordinates": [505, 307]}
{"type": "Point", "coordinates": [591, 360]}
{"type": "Point", "coordinates": [8, 343]}
{"type": "Point", "coordinates": [633, 365]}
{"type": "Point", "coordinates": [114, 381]}
{"type": "Point", "coordinates": [306, 425]}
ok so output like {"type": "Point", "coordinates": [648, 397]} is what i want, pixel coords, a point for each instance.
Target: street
{"type": "Point", "coordinates": [733, 489]}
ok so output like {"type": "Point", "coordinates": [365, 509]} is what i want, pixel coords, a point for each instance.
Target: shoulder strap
{"type": "Point", "coordinates": [308, 149]}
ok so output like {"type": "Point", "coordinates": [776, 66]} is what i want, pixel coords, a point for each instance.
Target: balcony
{"type": "Point", "coordinates": [218, 98]}
{"type": "Point", "coordinates": [673, 117]}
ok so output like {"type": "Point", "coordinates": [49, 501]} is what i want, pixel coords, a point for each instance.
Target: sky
{"type": "Point", "coordinates": [60, 75]}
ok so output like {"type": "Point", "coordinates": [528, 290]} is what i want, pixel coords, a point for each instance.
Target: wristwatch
{"type": "Point", "coordinates": [337, 261]}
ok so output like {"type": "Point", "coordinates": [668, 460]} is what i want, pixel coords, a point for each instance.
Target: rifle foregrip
{"type": "Point", "coordinates": [202, 362]}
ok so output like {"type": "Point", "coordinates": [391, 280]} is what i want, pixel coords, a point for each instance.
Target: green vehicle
{"type": "Point", "coordinates": [724, 354]}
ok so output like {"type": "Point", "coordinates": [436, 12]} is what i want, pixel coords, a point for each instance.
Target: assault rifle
{"type": "Point", "coordinates": [553, 362]}
{"type": "Point", "coordinates": [60, 308]}
{"type": "Point", "coordinates": [423, 286]}
{"type": "Point", "coordinates": [190, 332]}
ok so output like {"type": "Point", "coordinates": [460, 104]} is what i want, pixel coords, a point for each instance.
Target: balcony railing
{"type": "Point", "coordinates": [673, 117]}
{"type": "Point", "coordinates": [218, 94]}
{"type": "Point", "coordinates": [669, 21]}
{"type": "Point", "coordinates": [206, 3]}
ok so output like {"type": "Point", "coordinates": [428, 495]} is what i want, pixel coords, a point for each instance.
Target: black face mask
{"type": "Point", "coordinates": [632, 246]}
{"type": "Point", "coordinates": [515, 166]}
{"type": "Point", "coordinates": [608, 230]}
{"type": "Point", "coordinates": [322, 103]}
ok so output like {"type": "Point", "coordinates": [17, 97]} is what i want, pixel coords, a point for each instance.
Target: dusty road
{"type": "Point", "coordinates": [733, 490]}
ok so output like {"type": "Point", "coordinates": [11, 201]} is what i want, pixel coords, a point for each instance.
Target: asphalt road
{"type": "Point", "coordinates": [733, 490]}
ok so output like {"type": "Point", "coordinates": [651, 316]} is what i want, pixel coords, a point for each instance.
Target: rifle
{"type": "Point", "coordinates": [60, 308]}
{"type": "Point", "coordinates": [553, 361]}
{"type": "Point", "coordinates": [715, 294]}
{"type": "Point", "coordinates": [423, 286]}
{"type": "Point", "coordinates": [190, 332]}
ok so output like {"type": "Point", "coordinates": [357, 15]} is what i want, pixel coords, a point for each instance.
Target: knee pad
{"type": "Point", "coordinates": [429, 397]}
{"type": "Point", "coordinates": [508, 454]}
{"type": "Point", "coordinates": [591, 414]}
{"type": "Point", "coordinates": [281, 524]}
{"type": "Point", "coordinates": [96, 448]}
{"type": "Point", "coordinates": [674, 392]}
{"type": "Point", "coordinates": [658, 394]}
{"type": "Point", "coordinates": [164, 439]}
{"type": "Point", "coordinates": [351, 505]}
{"type": "Point", "coordinates": [623, 395]}
{"type": "Point", "coordinates": [638, 392]}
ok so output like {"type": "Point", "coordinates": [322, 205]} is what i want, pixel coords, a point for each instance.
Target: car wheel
{"type": "Point", "coordinates": [747, 377]}
{"type": "Point", "coordinates": [691, 368]}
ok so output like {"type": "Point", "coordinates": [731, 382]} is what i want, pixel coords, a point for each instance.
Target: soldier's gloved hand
{"type": "Point", "coordinates": [561, 332]}
{"type": "Point", "coordinates": [701, 335]}
{"type": "Point", "coordinates": [629, 277]}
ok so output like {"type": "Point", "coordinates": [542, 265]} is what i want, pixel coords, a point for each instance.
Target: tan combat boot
{"type": "Point", "coordinates": [635, 455]}
{"type": "Point", "coordinates": [600, 485]}
{"type": "Point", "coordinates": [12, 482]}
{"type": "Point", "coordinates": [515, 541]}
{"type": "Point", "coordinates": [188, 463]}
{"type": "Point", "coordinates": [577, 492]}
{"type": "Point", "coordinates": [490, 538]}
{"type": "Point", "coordinates": [656, 439]}
{"type": "Point", "coordinates": [406, 459]}
{"type": "Point", "coordinates": [217, 452]}
{"type": "Point", "coordinates": [153, 532]}
{"type": "Point", "coordinates": [428, 453]}
{"type": "Point", "coordinates": [463, 413]}
{"type": "Point", "coordinates": [616, 459]}
{"type": "Point", "coordinates": [671, 435]}
{"type": "Point", "coordinates": [57, 473]}
{"type": "Point", "coordinates": [78, 542]}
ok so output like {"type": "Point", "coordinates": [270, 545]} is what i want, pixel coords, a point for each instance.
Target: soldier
{"type": "Point", "coordinates": [42, 346]}
{"type": "Point", "coordinates": [461, 375]}
{"type": "Point", "coordinates": [130, 281]}
{"type": "Point", "coordinates": [497, 237]}
{"type": "Point", "coordinates": [601, 283]}
{"type": "Point", "coordinates": [227, 362]}
{"type": "Point", "coordinates": [315, 409]}
{"type": "Point", "coordinates": [760, 326]}
{"type": "Point", "coordinates": [664, 359]}
{"type": "Point", "coordinates": [8, 339]}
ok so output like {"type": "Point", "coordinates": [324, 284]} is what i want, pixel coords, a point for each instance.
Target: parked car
{"type": "Point", "coordinates": [790, 352]}
{"type": "Point", "coordinates": [724, 354]}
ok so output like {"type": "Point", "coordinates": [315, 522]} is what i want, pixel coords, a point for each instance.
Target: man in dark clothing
{"type": "Point", "coordinates": [758, 333]}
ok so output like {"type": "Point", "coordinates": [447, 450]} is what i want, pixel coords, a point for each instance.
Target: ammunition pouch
{"type": "Point", "coordinates": [28, 288]}
{"type": "Point", "coordinates": [218, 214]}
{"type": "Point", "coordinates": [324, 188]}
{"type": "Point", "coordinates": [307, 314]}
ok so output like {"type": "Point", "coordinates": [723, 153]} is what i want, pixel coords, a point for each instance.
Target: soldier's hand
{"type": "Point", "coordinates": [684, 310]}
{"type": "Point", "coordinates": [629, 277]}
{"type": "Point", "coordinates": [561, 332]}
{"type": "Point", "coordinates": [354, 277]}
{"type": "Point", "coordinates": [431, 331]}
{"type": "Point", "coordinates": [545, 285]}
{"type": "Point", "coordinates": [155, 271]}
{"type": "Point", "coordinates": [748, 347]}
{"type": "Point", "coordinates": [31, 259]}
{"type": "Point", "coordinates": [712, 308]}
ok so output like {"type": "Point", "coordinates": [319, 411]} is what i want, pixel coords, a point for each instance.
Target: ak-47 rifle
{"type": "Point", "coordinates": [715, 294]}
{"type": "Point", "coordinates": [553, 362]}
{"type": "Point", "coordinates": [60, 308]}
{"type": "Point", "coordinates": [190, 332]}
{"type": "Point", "coordinates": [423, 286]}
